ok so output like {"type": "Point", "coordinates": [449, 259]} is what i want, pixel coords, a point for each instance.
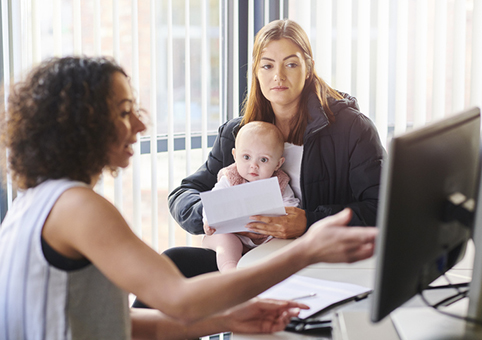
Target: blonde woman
{"type": "Point", "coordinates": [333, 153]}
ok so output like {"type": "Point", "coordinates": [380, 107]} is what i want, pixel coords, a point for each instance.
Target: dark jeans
{"type": "Point", "coordinates": [191, 262]}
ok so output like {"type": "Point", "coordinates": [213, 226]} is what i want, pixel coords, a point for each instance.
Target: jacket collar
{"type": "Point", "coordinates": [317, 117]}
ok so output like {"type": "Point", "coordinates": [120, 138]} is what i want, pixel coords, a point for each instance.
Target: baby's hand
{"type": "Point", "coordinates": [208, 230]}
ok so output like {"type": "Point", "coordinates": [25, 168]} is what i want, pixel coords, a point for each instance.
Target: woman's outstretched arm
{"type": "Point", "coordinates": [254, 316]}
{"type": "Point", "coordinates": [83, 224]}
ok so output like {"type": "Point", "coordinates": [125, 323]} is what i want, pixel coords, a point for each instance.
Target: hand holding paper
{"type": "Point", "coordinates": [228, 210]}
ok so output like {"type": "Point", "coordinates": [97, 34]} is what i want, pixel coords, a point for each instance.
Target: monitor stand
{"type": "Point", "coordinates": [356, 325]}
{"type": "Point", "coordinates": [408, 323]}
{"type": "Point", "coordinates": [475, 293]}
{"type": "Point", "coordinates": [414, 323]}
{"type": "Point", "coordinates": [425, 323]}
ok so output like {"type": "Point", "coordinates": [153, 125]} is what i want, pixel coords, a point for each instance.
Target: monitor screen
{"type": "Point", "coordinates": [419, 240]}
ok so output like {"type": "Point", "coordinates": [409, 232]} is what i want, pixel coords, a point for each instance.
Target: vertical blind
{"type": "Point", "coordinates": [408, 63]}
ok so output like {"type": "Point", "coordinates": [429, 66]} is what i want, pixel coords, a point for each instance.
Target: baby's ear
{"type": "Point", "coordinates": [280, 163]}
{"type": "Point", "coordinates": [233, 151]}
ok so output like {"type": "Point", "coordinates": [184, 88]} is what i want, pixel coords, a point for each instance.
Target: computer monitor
{"type": "Point", "coordinates": [420, 238]}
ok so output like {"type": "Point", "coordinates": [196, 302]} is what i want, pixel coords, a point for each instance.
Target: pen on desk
{"type": "Point", "coordinates": [304, 296]}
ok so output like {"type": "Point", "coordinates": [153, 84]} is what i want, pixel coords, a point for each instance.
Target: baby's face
{"type": "Point", "coordinates": [257, 156]}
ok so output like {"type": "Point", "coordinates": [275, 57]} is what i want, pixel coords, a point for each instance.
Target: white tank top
{"type": "Point", "coordinates": [38, 301]}
{"type": "Point", "coordinates": [292, 166]}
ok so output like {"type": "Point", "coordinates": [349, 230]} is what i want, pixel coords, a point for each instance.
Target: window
{"type": "Point", "coordinates": [407, 62]}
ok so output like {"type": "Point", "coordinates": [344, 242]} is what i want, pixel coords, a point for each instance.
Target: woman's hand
{"type": "Point", "coordinates": [262, 315]}
{"type": "Point", "coordinates": [291, 225]}
{"type": "Point", "coordinates": [254, 316]}
{"type": "Point", "coordinates": [331, 240]}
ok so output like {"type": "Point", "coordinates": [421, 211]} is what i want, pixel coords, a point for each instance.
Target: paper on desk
{"type": "Point", "coordinates": [228, 210]}
{"type": "Point", "coordinates": [327, 292]}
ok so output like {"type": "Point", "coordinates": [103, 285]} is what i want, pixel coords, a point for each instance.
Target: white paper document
{"type": "Point", "coordinates": [317, 294]}
{"type": "Point", "coordinates": [228, 210]}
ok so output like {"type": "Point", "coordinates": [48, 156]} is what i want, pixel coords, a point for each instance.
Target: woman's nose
{"type": "Point", "coordinates": [279, 75]}
{"type": "Point", "coordinates": [137, 124]}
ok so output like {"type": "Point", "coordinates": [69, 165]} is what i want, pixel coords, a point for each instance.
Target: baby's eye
{"type": "Point", "coordinates": [246, 157]}
{"type": "Point", "coordinates": [264, 160]}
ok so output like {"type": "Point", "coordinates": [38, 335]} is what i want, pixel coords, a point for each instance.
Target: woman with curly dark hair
{"type": "Point", "coordinates": [64, 103]}
{"type": "Point", "coordinates": [68, 258]}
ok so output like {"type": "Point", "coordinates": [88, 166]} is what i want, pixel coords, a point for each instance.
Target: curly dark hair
{"type": "Point", "coordinates": [59, 122]}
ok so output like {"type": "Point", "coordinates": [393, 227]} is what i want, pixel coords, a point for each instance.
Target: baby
{"type": "Point", "coordinates": [258, 154]}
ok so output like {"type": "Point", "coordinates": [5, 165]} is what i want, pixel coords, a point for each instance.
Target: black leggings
{"type": "Point", "coordinates": [191, 262]}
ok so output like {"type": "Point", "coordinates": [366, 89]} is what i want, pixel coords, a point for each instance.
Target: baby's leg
{"type": "Point", "coordinates": [228, 247]}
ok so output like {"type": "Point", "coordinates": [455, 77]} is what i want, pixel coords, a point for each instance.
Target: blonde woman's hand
{"type": "Point", "coordinates": [291, 225]}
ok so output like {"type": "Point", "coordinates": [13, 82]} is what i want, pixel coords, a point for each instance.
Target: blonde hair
{"type": "Point", "coordinates": [263, 129]}
{"type": "Point", "coordinates": [257, 108]}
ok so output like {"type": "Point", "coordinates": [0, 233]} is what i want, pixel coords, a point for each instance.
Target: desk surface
{"type": "Point", "coordinates": [361, 273]}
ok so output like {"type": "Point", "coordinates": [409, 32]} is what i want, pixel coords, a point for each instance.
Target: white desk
{"type": "Point", "coordinates": [354, 315]}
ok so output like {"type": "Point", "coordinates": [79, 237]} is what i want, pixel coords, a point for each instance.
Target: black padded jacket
{"type": "Point", "coordinates": [340, 168]}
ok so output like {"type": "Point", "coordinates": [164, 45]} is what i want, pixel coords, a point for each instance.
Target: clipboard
{"type": "Point", "coordinates": [318, 294]}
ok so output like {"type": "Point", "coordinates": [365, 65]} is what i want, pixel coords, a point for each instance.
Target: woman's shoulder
{"type": "Point", "coordinates": [78, 216]}
{"type": "Point", "coordinates": [353, 123]}
{"type": "Point", "coordinates": [78, 205]}
{"type": "Point", "coordinates": [344, 109]}
{"type": "Point", "coordinates": [230, 127]}
{"type": "Point", "coordinates": [346, 105]}
{"type": "Point", "coordinates": [347, 111]}
{"type": "Point", "coordinates": [225, 140]}
{"type": "Point", "coordinates": [83, 197]}
{"type": "Point", "coordinates": [51, 188]}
